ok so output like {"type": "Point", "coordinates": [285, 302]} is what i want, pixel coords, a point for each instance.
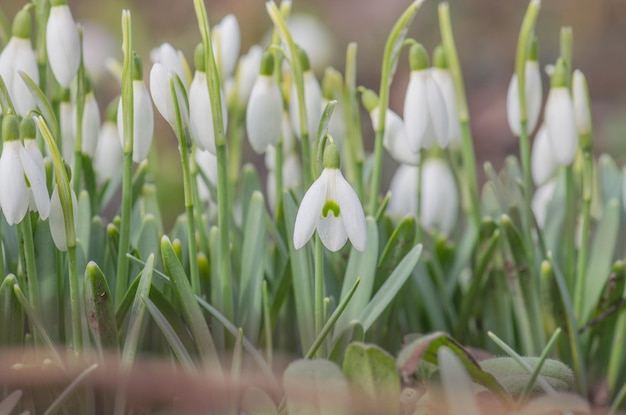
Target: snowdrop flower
{"type": "Point", "coordinates": [265, 108]}
{"type": "Point", "coordinates": [543, 166]}
{"type": "Point", "coordinates": [541, 200]}
{"type": "Point", "coordinates": [200, 111]}
{"type": "Point", "coordinates": [109, 155]}
{"type": "Point", "coordinates": [441, 75]}
{"type": "Point", "coordinates": [395, 140]}
{"type": "Point", "coordinates": [160, 89]}
{"type": "Point", "coordinates": [314, 37]}
{"type": "Point", "coordinates": [22, 178]}
{"type": "Point", "coordinates": [57, 218]}
{"type": "Point", "coordinates": [226, 38]}
{"type": "Point", "coordinates": [312, 99]}
{"type": "Point", "coordinates": [425, 117]}
{"type": "Point", "coordinates": [332, 207]}
{"type": "Point", "coordinates": [206, 162]}
{"type": "Point", "coordinates": [35, 169]}
{"type": "Point", "coordinates": [247, 72]}
{"type": "Point", "coordinates": [582, 107]}
{"type": "Point", "coordinates": [90, 123]}
{"type": "Point", "coordinates": [559, 117]}
{"type": "Point", "coordinates": [534, 91]}
{"type": "Point", "coordinates": [143, 115]}
{"type": "Point", "coordinates": [18, 56]}
{"type": "Point", "coordinates": [173, 60]}
{"type": "Point", "coordinates": [62, 43]}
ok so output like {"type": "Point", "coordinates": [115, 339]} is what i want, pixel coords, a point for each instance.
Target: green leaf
{"type": "Point", "coordinates": [10, 402]}
{"type": "Point", "coordinates": [83, 222]}
{"type": "Point", "coordinates": [390, 288]}
{"type": "Point", "coordinates": [398, 245]}
{"type": "Point", "coordinates": [425, 348]}
{"type": "Point", "coordinates": [11, 314]}
{"type": "Point", "coordinates": [99, 308]}
{"type": "Point", "coordinates": [42, 103]}
{"type": "Point", "coordinates": [316, 387]}
{"type": "Point", "coordinates": [372, 371]}
{"type": "Point", "coordinates": [457, 385]}
{"type": "Point", "coordinates": [149, 237]}
{"type": "Point", "coordinates": [191, 309]}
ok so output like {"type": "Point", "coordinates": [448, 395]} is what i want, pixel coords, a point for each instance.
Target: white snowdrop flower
{"type": "Point", "coordinates": [541, 200]}
{"type": "Point", "coordinates": [559, 118]}
{"type": "Point", "coordinates": [207, 163]}
{"type": "Point", "coordinates": [247, 72]}
{"type": "Point", "coordinates": [403, 189]}
{"type": "Point", "coordinates": [109, 154]}
{"type": "Point", "coordinates": [312, 100]}
{"type": "Point", "coordinates": [62, 43]}
{"type": "Point", "coordinates": [200, 110]}
{"type": "Point", "coordinates": [35, 170]}
{"type": "Point", "coordinates": [292, 176]}
{"type": "Point", "coordinates": [332, 207]}
{"type": "Point", "coordinates": [57, 219]}
{"type": "Point", "coordinates": [425, 116]}
{"type": "Point", "coordinates": [442, 76]}
{"type": "Point", "coordinates": [161, 92]}
{"type": "Point", "coordinates": [19, 56]}
{"type": "Point", "coordinates": [143, 115]}
{"type": "Point", "coordinates": [173, 60]}
{"type": "Point", "coordinates": [534, 91]}
{"type": "Point", "coordinates": [226, 38]}
{"type": "Point", "coordinates": [581, 103]}
{"type": "Point", "coordinates": [67, 127]}
{"type": "Point", "coordinates": [265, 108]}
{"type": "Point", "coordinates": [542, 164]}
{"type": "Point", "coordinates": [90, 124]}
{"type": "Point", "coordinates": [314, 37]}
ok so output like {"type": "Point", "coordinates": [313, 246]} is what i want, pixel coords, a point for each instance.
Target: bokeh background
{"type": "Point", "coordinates": [485, 32]}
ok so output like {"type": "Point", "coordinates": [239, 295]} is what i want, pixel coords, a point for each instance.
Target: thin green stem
{"type": "Point", "coordinates": [42, 10]}
{"type": "Point", "coordinates": [569, 229]}
{"type": "Point", "coordinates": [418, 207]}
{"type": "Point", "coordinates": [319, 290]}
{"type": "Point", "coordinates": [81, 92]}
{"type": "Point", "coordinates": [353, 148]}
{"type": "Point", "coordinates": [77, 335]}
{"type": "Point", "coordinates": [581, 267]}
{"type": "Point", "coordinates": [191, 221]}
{"type": "Point", "coordinates": [267, 326]}
{"type": "Point", "coordinates": [278, 173]}
{"type": "Point", "coordinates": [26, 229]}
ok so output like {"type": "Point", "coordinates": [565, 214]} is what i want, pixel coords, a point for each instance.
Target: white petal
{"type": "Point", "coordinates": [63, 45]}
{"type": "Point", "coordinates": [542, 164]}
{"type": "Point", "coordinates": [57, 219]}
{"type": "Point", "coordinates": [264, 114]}
{"type": "Point", "coordinates": [109, 155]}
{"type": "Point", "coordinates": [312, 104]}
{"type": "Point", "coordinates": [227, 52]}
{"type": "Point", "coordinates": [512, 106]}
{"type": "Point", "coordinates": [207, 162]}
{"type": "Point", "coordinates": [310, 211]}
{"type": "Point", "coordinates": [14, 195]}
{"type": "Point", "coordinates": [351, 213]}
{"type": "Point", "coordinates": [247, 73]}
{"type": "Point", "coordinates": [332, 233]}
{"type": "Point", "coordinates": [161, 92]}
{"type": "Point", "coordinates": [559, 120]}
{"type": "Point", "coordinates": [440, 201]}
{"type": "Point", "coordinates": [395, 140]}
{"type": "Point", "coordinates": [36, 174]}
{"type": "Point", "coordinates": [403, 188]}
{"type": "Point", "coordinates": [416, 117]}
{"type": "Point", "coordinates": [172, 59]}
{"type": "Point", "coordinates": [143, 122]}
{"type": "Point", "coordinates": [437, 111]}
{"type": "Point", "coordinates": [201, 115]}
{"type": "Point", "coordinates": [446, 85]}
{"type": "Point", "coordinates": [541, 201]}
{"type": "Point", "coordinates": [66, 116]}
{"type": "Point", "coordinates": [26, 62]}
{"type": "Point", "coordinates": [91, 125]}
{"type": "Point", "coordinates": [581, 103]}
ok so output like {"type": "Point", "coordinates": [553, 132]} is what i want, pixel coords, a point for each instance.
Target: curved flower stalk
{"type": "Point", "coordinates": [143, 122]}
{"type": "Point", "coordinates": [265, 109]}
{"type": "Point", "coordinates": [226, 38]}
{"type": "Point", "coordinates": [200, 113]}
{"type": "Point", "coordinates": [534, 92]}
{"type": "Point", "coordinates": [543, 166]}
{"type": "Point", "coordinates": [109, 154]}
{"type": "Point", "coordinates": [395, 139]}
{"type": "Point", "coordinates": [160, 78]}
{"type": "Point", "coordinates": [57, 218]}
{"type": "Point", "coordinates": [439, 200]}
{"type": "Point", "coordinates": [332, 207]}
{"type": "Point", "coordinates": [19, 56]}
{"type": "Point", "coordinates": [247, 72]}
{"type": "Point", "coordinates": [172, 59]}
{"type": "Point", "coordinates": [559, 117]}
{"type": "Point", "coordinates": [90, 123]}
{"type": "Point", "coordinates": [22, 177]}
{"type": "Point", "coordinates": [312, 100]}
{"type": "Point", "coordinates": [62, 43]}
{"type": "Point", "coordinates": [425, 116]}
{"type": "Point", "coordinates": [442, 76]}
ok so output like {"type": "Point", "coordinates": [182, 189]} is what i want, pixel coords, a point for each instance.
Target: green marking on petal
{"type": "Point", "coordinates": [331, 206]}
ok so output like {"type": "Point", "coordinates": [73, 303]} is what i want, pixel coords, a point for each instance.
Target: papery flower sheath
{"type": "Point", "coordinates": [425, 117]}
{"type": "Point", "coordinates": [62, 43]}
{"type": "Point", "coordinates": [312, 100]}
{"type": "Point", "coordinates": [332, 207]}
{"type": "Point", "coordinates": [534, 92]}
{"type": "Point", "coordinates": [559, 117]}
{"type": "Point", "coordinates": [19, 56]}
{"type": "Point", "coordinates": [265, 108]}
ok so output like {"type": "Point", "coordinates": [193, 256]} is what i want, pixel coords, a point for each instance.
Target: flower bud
{"type": "Point", "coordinates": [226, 38]}
{"type": "Point", "coordinates": [559, 117]}
{"type": "Point", "coordinates": [582, 108]}
{"type": "Point", "coordinates": [62, 43]}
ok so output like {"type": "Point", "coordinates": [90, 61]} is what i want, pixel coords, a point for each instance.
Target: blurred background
{"type": "Point", "coordinates": [485, 32]}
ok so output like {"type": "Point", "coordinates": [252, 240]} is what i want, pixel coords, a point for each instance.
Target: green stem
{"type": "Point", "coordinates": [235, 135]}
{"type": "Point", "coordinates": [189, 211]}
{"type": "Point", "coordinates": [353, 148]}
{"type": "Point", "coordinates": [81, 92]}
{"type": "Point", "coordinates": [77, 335]}
{"type": "Point", "coordinates": [581, 267]}
{"type": "Point", "coordinates": [319, 290]}
{"type": "Point", "coordinates": [278, 173]}
{"type": "Point", "coordinates": [42, 10]}
{"type": "Point", "coordinates": [569, 228]}
{"type": "Point", "coordinates": [26, 229]}
{"type": "Point", "coordinates": [418, 211]}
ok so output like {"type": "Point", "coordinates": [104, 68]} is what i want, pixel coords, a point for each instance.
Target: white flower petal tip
{"type": "Point", "coordinates": [201, 113]}
{"type": "Point", "coordinates": [14, 195]}
{"type": "Point", "coordinates": [19, 56]}
{"type": "Point", "coordinates": [264, 114]}
{"type": "Point", "coordinates": [160, 90]}
{"type": "Point", "coordinates": [581, 103]}
{"type": "Point", "coordinates": [57, 219]}
{"type": "Point", "coordinates": [534, 93]}
{"type": "Point", "coordinates": [63, 44]}
{"type": "Point", "coordinates": [143, 122]}
{"type": "Point", "coordinates": [228, 34]}
{"type": "Point", "coordinates": [332, 207]}
{"type": "Point", "coordinates": [395, 139]}
{"type": "Point", "coordinates": [561, 125]}
{"type": "Point", "coordinates": [172, 59]}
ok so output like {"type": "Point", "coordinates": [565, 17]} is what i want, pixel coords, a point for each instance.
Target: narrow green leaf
{"type": "Point", "coordinates": [42, 103]}
{"type": "Point", "coordinates": [99, 308]}
{"type": "Point", "coordinates": [149, 237]}
{"type": "Point", "coordinates": [67, 392]}
{"type": "Point", "coordinates": [398, 245]}
{"type": "Point", "coordinates": [139, 179]}
{"type": "Point", "coordinates": [11, 314]}
{"type": "Point", "coordinates": [390, 288]}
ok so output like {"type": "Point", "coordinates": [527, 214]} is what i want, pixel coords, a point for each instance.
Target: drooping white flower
{"type": "Point", "coordinates": [62, 43]}
{"type": "Point", "coordinates": [200, 110]}
{"type": "Point", "coordinates": [395, 140]}
{"type": "Point", "coordinates": [90, 124]}
{"type": "Point", "coordinates": [32, 161]}
{"type": "Point", "coordinates": [247, 72]}
{"type": "Point", "coordinates": [207, 163]}
{"type": "Point", "coordinates": [541, 200]}
{"type": "Point", "coordinates": [265, 108]}
{"type": "Point", "coordinates": [534, 91]}
{"type": "Point", "coordinates": [143, 116]}
{"type": "Point", "coordinates": [543, 166]}
{"type": "Point", "coordinates": [559, 118]}
{"type": "Point", "coordinates": [172, 59]}
{"type": "Point", "coordinates": [312, 100]}
{"type": "Point", "coordinates": [581, 103]}
{"type": "Point", "coordinates": [226, 38]}
{"type": "Point", "coordinates": [19, 56]}
{"type": "Point", "coordinates": [332, 207]}
{"type": "Point", "coordinates": [314, 37]}
{"type": "Point", "coordinates": [160, 89]}
{"type": "Point", "coordinates": [57, 218]}
{"type": "Point", "coordinates": [109, 155]}
{"type": "Point", "coordinates": [442, 76]}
